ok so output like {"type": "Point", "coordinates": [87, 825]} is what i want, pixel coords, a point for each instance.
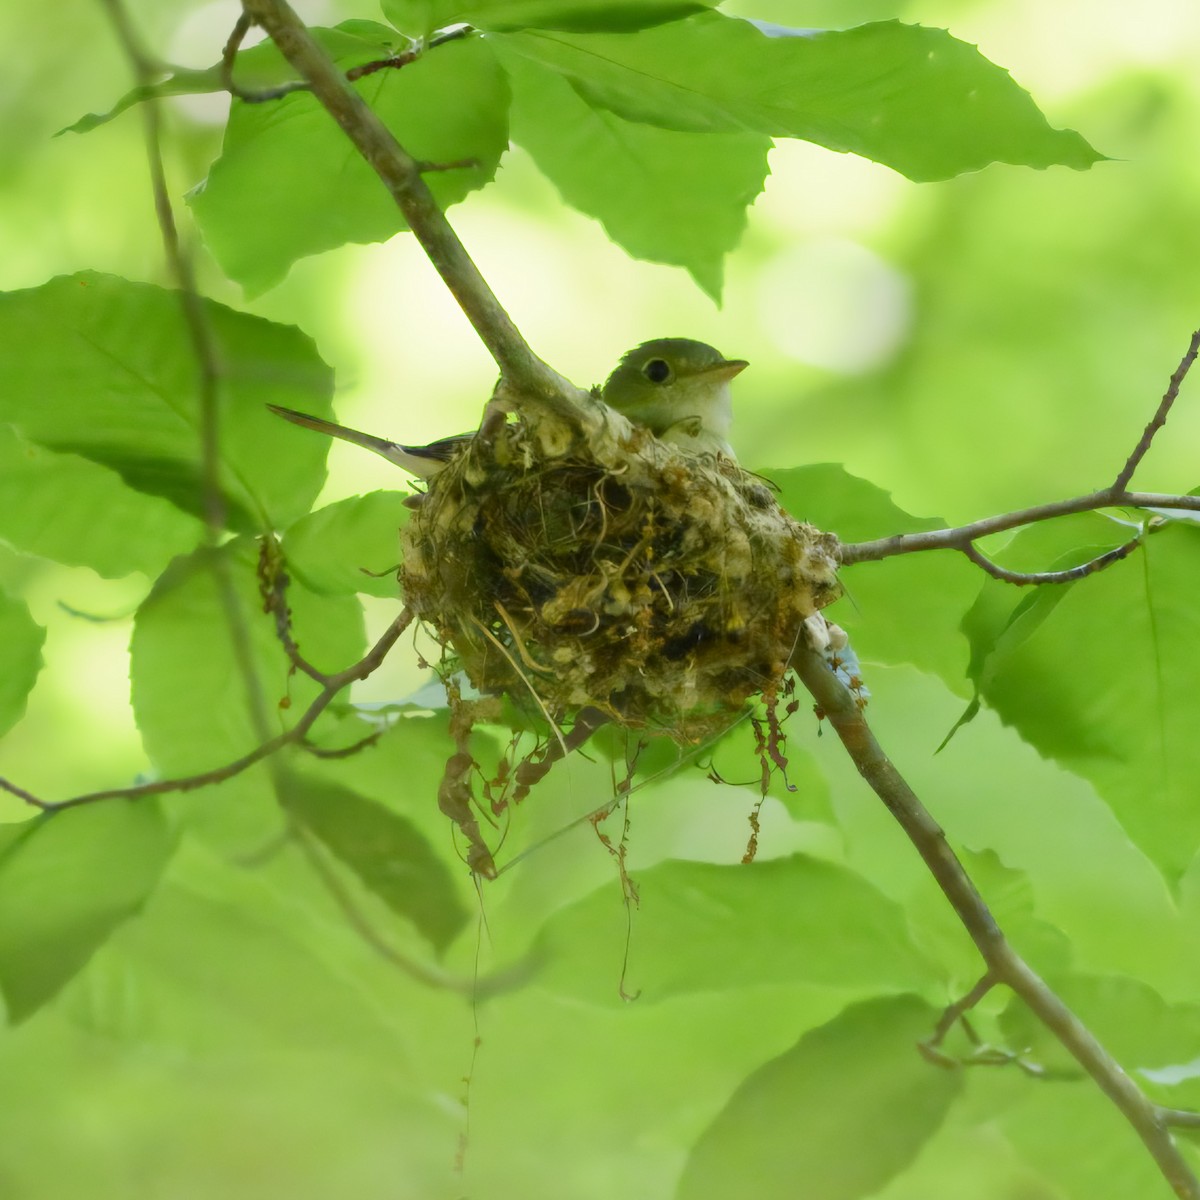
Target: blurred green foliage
{"type": "Point", "coordinates": [954, 348]}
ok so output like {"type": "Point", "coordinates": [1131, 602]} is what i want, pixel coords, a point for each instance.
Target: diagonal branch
{"type": "Point", "coordinates": [1160, 417]}
{"type": "Point", "coordinates": [520, 368]}
{"type": "Point", "coordinates": [1004, 964]}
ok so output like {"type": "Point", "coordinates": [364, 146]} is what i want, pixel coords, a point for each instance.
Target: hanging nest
{"type": "Point", "coordinates": [613, 572]}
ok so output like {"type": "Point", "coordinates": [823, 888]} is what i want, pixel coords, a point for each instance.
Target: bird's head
{"type": "Point", "coordinates": [679, 389]}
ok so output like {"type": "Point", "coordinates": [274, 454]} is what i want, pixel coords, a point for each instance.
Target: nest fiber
{"type": "Point", "coordinates": [660, 587]}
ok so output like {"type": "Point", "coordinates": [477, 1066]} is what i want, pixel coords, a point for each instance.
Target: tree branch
{"type": "Point", "coordinates": [961, 536]}
{"type": "Point", "coordinates": [1022, 578]}
{"type": "Point", "coordinates": [295, 735]}
{"type": "Point", "coordinates": [1115, 495]}
{"type": "Point", "coordinates": [519, 367]}
{"type": "Point", "coordinates": [1160, 417]}
{"type": "Point", "coordinates": [1004, 964]}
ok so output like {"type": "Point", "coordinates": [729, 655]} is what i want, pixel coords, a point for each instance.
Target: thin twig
{"type": "Point", "coordinates": [1004, 964]}
{"type": "Point", "coordinates": [1115, 495]}
{"type": "Point", "coordinates": [342, 751]}
{"type": "Point", "coordinates": [1160, 417]}
{"type": "Point", "coordinates": [207, 357]}
{"type": "Point", "coordinates": [397, 61]}
{"type": "Point", "coordinates": [1070, 575]}
{"type": "Point", "coordinates": [953, 1013]}
{"type": "Point", "coordinates": [962, 535]}
{"type": "Point", "coordinates": [249, 95]}
{"type": "Point", "coordinates": [180, 266]}
{"type": "Point", "coordinates": [359, 670]}
{"type": "Point", "coordinates": [1181, 1118]}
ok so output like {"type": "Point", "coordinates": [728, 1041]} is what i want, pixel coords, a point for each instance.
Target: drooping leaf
{"type": "Point", "coordinates": [67, 879]}
{"type": "Point", "coordinates": [349, 546]}
{"type": "Point", "coordinates": [702, 927]}
{"type": "Point", "coordinates": [69, 509]}
{"type": "Point", "coordinates": [289, 183]}
{"type": "Point", "coordinates": [420, 17]}
{"type": "Point", "coordinates": [1096, 675]}
{"type": "Point", "coordinates": [384, 850]}
{"type": "Point", "coordinates": [848, 1107]}
{"type": "Point", "coordinates": [21, 639]}
{"type": "Point", "coordinates": [107, 372]}
{"type": "Point", "coordinates": [915, 99]}
{"type": "Point", "coordinates": [666, 196]}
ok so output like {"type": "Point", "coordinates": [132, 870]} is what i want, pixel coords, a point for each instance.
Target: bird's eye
{"type": "Point", "coordinates": [657, 370]}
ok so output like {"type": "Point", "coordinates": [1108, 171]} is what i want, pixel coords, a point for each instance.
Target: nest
{"type": "Point", "coordinates": [613, 572]}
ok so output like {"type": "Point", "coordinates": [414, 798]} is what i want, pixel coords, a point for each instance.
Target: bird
{"type": "Point", "coordinates": [677, 388]}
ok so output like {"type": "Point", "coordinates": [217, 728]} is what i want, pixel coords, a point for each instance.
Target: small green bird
{"type": "Point", "coordinates": [679, 389]}
{"type": "Point", "coordinates": [675, 387]}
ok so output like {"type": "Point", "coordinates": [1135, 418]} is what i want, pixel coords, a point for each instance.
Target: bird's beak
{"type": "Point", "coordinates": [725, 370]}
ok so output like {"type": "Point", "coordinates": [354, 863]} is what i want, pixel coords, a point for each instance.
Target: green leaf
{"type": "Point", "coordinates": [677, 198]}
{"type": "Point", "coordinates": [581, 16]}
{"type": "Point", "coordinates": [21, 639]}
{"type": "Point", "coordinates": [904, 609]}
{"type": "Point", "coordinates": [107, 372]}
{"type": "Point", "coordinates": [701, 927]}
{"type": "Point", "coordinates": [391, 858]}
{"type": "Point", "coordinates": [835, 1117]}
{"type": "Point", "coordinates": [1079, 1145]}
{"type": "Point", "coordinates": [912, 98]}
{"type": "Point", "coordinates": [289, 183]}
{"type": "Point", "coordinates": [48, 507]}
{"type": "Point", "coordinates": [420, 17]}
{"type": "Point", "coordinates": [182, 81]}
{"type": "Point", "coordinates": [187, 688]}
{"type": "Point", "coordinates": [1097, 676]}
{"type": "Point", "coordinates": [349, 546]}
{"type": "Point", "coordinates": [67, 879]}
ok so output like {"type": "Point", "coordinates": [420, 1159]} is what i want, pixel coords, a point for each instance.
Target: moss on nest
{"type": "Point", "coordinates": [662, 588]}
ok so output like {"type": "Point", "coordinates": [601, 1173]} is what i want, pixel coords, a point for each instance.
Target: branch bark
{"type": "Point", "coordinates": [520, 368]}
{"type": "Point", "coordinates": [961, 536]}
{"type": "Point", "coordinates": [1004, 964]}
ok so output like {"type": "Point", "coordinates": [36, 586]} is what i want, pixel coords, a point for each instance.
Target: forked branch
{"type": "Point", "coordinates": [1116, 495]}
{"type": "Point", "coordinates": [334, 684]}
